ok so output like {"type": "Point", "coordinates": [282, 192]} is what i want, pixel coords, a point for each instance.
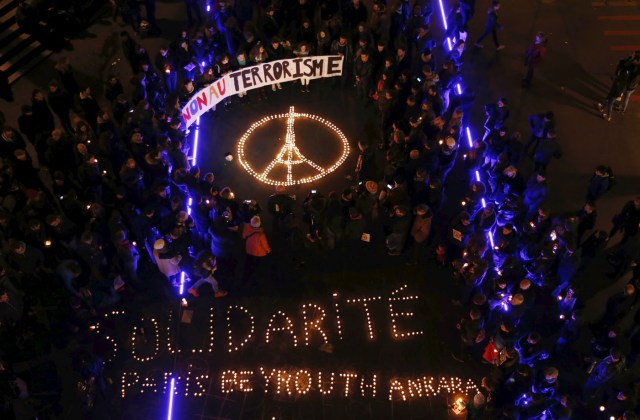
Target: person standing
{"type": "Point", "coordinates": [547, 149]}
{"type": "Point", "coordinates": [497, 114]}
{"type": "Point", "coordinates": [5, 88]}
{"type": "Point", "coordinates": [90, 108]}
{"type": "Point", "coordinates": [166, 67]}
{"type": "Point", "coordinates": [491, 26]}
{"type": "Point", "coordinates": [280, 205]}
{"type": "Point", "coordinates": [167, 260]}
{"type": "Point", "coordinates": [41, 113]}
{"type": "Point", "coordinates": [540, 125]}
{"type": "Point", "coordinates": [126, 258]}
{"type": "Point", "coordinates": [303, 50]}
{"type": "Point", "coordinates": [61, 103]}
{"type": "Point", "coordinates": [366, 162]}
{"type": "Point", "coordinates": [67, 77]}
{"type": "Point", "coordinates": [150, 8]}
{"type": "Point", "coordinates": [621, 80]}
{"type": "Point", "coordinates": [632, 83]}
{"type": "Point", "coordinates": [533, 57]}
{"type": "Point", "coordinates": [600, 183]}
{"type": "Point", "coordinates": [256, 247]}
{"type": "Point", "coordinates": [604, 373]}
{"type": "Point", "coordinates": [627, 220]}
{"type": "Point", "coordinates": [420, 231]}
{"type": "Point", "coordinates": [363, 73]}
{"type": "Point", "coordinates": [343, 48]}
{"type": "Point", "coordinates": [193, 10]}
{"type": "Point", "coordinates": [535, 193]}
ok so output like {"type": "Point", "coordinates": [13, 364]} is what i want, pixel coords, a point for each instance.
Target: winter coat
{"type": "Point", "coordinates": [256, 244]}
{"type": "Point", "coordinates": [547, 149]}
{"type": "Point", "coordinates": [168, 264]}
{"type": "Point", "coordinates": [421, 228]}
{"type": "Point", "coordinates": [534, 54]}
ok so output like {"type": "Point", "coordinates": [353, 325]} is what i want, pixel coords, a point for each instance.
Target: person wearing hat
{"type": "Point", "coordinates": [167, 260]}
{"type": "Point", "coordinates": [367, 201]}
{"type": "Point", "coordinates": [420, 230]}
{"type": "Point", "coordinates": [256, 247]}
{"type": "Point", "coordinates": [355, 225]}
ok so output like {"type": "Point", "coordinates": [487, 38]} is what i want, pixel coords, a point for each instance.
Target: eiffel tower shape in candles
{"type": "Point", "coordinates": [290, 155]}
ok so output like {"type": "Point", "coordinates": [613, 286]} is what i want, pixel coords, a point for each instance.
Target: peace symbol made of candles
{"type": "Point", "coordinates": [289, 155]}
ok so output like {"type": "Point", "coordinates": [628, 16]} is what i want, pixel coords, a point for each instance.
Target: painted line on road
{"type": "Point", "coordinates": [624, 47]}
{"type": "Point", "coordinates": [620, 17]}
{"type": "Point", "coordinates": [621, 33]}
{"type": "Point", "coordinates": [615, 3]}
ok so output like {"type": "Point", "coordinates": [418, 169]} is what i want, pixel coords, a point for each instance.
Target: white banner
{"type": "Point", "coordinates": [264, 74]}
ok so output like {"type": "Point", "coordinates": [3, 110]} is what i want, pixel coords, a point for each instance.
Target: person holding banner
{"type": "Point", "coordinates": [276, 52]}
{"type": "Point", "coordinates": [258, 55]}
{"type": "Point", "coordinates": [303, 51]}
{"type": "Point", "coordinates": [241, 58]}
{"type": "Point", "coordinates": [343, 48]}
{"type": "Point", "coordinates": [225, 68]}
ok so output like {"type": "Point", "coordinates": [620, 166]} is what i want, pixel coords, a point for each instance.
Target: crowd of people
{"type": "Point", "coordinates": [123, 195]}
{"type": "Point", "coordinates": [55, 23]}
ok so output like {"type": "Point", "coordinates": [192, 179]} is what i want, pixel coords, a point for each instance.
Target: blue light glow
{"type": "Point", "coordinates": [477, 175]}
{"type": "Point", "coordinates": [484, 203]}
{"type": "Point", "coordinates": [194, 159]}
{"type": "Point", "coordinates": [444, 17]}
{"type": "Point", "coordinates": [491, 240]}
{"type": "Point", "coordinates": [171, 392]}
{"type": "Point", "coordinates": [196, 138]}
